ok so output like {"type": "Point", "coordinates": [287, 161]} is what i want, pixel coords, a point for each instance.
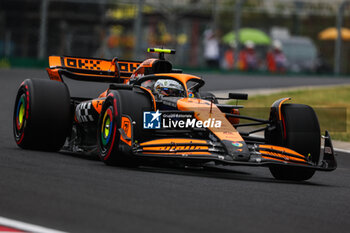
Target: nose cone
{"type": "Point", "coordinates": [236, 148]}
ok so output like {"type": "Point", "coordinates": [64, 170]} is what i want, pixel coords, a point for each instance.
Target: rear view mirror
{"type": "Point", "coordinates": [238, 96]}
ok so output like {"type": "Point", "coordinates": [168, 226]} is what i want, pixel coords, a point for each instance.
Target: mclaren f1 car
{"type": "Point", "coordinates": [152, 112]}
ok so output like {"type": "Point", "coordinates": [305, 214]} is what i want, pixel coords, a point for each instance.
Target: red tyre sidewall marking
{"type": "Point", "coordinates": [9, 229]}
{"type": "Point", "coordinates": [114, 128]}
{"type": "Point", "coordinates": [27, 111]}
{"type": "Point", "coordinates": [284, 128]}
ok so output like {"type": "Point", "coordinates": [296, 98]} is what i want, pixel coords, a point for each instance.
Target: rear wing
{"type": "Point", "coordinates": [91, 69]}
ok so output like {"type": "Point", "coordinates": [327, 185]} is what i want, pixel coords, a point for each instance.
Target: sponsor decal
{"type": "Point", "coordinates": [237, 144]}
{"type": "Point", "coordinates": [96, 64]}
{"type": "Point", "coordinates": [128, 66]}
{"type": "Point", "coordinates": [177, 120]}
{"type": "Point", "coordinates": [151, 120]}
{"type": "Point", "coordinates": [83, 112]}
{"type": "Point", "coordinates": [176, 148]}
{"type": "Point", "coordinates": [82, 63]}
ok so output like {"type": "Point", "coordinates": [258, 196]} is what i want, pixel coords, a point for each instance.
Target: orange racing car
{"type": "Point", "coordinates": [154, 113]}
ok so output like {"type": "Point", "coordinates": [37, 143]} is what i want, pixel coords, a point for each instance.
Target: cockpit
{"type": "Point", "coordinates": [170, 86]}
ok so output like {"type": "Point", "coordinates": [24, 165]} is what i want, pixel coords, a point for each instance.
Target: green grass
{"type": "Point", "coordinates": [332, 106]}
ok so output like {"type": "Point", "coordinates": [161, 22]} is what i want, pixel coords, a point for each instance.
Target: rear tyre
{"type": "Point", "coordinates": [42, 116]}
{"type": "Point", "coordinates": [302, 134]}
{"type": "Point", "coordinates": [118, 103]}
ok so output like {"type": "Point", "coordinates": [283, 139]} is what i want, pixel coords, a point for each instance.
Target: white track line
{"type": "Point", "coordinates": [26, 226]}
{"type": "Point", "coordinates": [342, 150]}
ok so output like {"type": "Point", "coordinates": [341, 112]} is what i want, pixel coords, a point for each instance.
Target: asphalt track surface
{"type": "Point", "coordinates": [79, 194]}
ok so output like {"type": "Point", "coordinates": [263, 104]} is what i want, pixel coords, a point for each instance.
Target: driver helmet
{"type": "Point", "coordinates": [168, 87]}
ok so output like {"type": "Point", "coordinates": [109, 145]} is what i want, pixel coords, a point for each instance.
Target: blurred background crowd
{"type": "Point", "coordinates": [276, 36]}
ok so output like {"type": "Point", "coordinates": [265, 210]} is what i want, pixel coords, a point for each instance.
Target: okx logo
{"type": "Point", "coordinates": [151, 120]}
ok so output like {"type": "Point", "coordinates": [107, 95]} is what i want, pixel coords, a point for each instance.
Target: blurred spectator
{"type": "Point", "coordinates": [276, 60]}
{"type": "Point", "coordinates": [247, 57]}
{"type": "Point", "coordinates": [229, 56]}
{"type": "Point", "coordinates": [211, 49]}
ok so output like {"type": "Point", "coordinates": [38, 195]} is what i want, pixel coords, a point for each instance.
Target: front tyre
{"type": "Point", "coordinates": [301, 132]}
{"type": "Point", "coordinates": [118, 104]}
{"type": "Point", "coordinates": [108, 135]}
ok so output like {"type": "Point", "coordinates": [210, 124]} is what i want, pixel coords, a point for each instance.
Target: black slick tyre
{"type": "Point", "coordinates": [120, 103]}
{"type": "Point", "coordinates": [302, 134]}
{"type": "Point", "coordinates": [42, 115]}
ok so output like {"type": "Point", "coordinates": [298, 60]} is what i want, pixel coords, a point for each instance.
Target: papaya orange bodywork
{"type": "Point", "coordinates": [281, 152]}
{"type": "Point", "coordinates": [97, 104]}
{"type": "Point", "coordinates": [170, 146]}
{"type": "Point", "coordinates": [140, 71]}
{"type": "Point", "coordinates": [126, 126]}
{"type": "Point", "coordinates": [205, 110]}
{"type": "Point", "coordinates": [81, 63]}
{"type": "Point", "coordinates": [282, 156]}
{"type": "Point", "coordinates": [103, 94]}
{"type": "Point", "coordinates": [173, 140]}
{"type": "Point", "coordinates": [282, 149]}
{"type": "Point", "coordinates": [280, 108]}
{"type": "Point", "coordinates": [126, 68]}
{"type": "Point", "coordinates": [55, 61]}
{"type": "Point", "coordinates": [54, 74]}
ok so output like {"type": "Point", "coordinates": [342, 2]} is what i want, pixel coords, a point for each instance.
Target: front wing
{"type": "Point", "coordinates": [201, 151]}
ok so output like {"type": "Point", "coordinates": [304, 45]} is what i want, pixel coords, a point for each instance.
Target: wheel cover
{"type": "Point", "coordinates": [106, 128]}
{"type": "Point", "coordinates": [20, 113]}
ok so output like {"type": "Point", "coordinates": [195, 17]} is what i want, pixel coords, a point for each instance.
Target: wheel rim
{"type": "Point", "coordinates": [106, 128]}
